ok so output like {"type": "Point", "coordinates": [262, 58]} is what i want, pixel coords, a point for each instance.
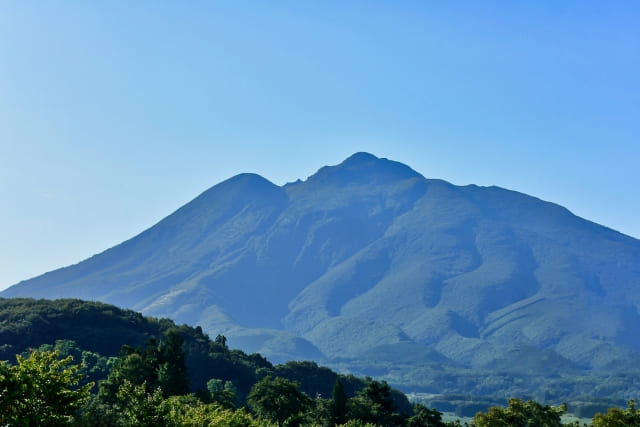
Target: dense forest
{"type": "Point", "coordinates": [88, 363]}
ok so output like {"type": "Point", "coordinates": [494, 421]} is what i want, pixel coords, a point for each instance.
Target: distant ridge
{"type": "Point", "coordinates": [368, 259]}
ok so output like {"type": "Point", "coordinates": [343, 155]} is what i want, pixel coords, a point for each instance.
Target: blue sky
{"type": "Point", "coordinates": [114, 114]}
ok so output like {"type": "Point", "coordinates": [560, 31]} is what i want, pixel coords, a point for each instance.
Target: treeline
{"type": "Point", "coordinates": [95, 333]}
{"type": "Point", "coordinates": [44, 389]}
{"type": "Point", "coordinates": [469, 405]}
{"type": "Point", "coordinates": [86, 363]}
{"type": "Point", "coordinates": [148, 386]}
{"type": "Point", "coordinates": [116, 349]}
{"type": "Point", "coordinates": [553, 382]}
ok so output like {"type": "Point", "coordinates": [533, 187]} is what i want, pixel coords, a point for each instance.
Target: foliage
{"type": "Point", "coordinates": [375, 405]}
{"type": "Point", "coordinates": [313, 379]}
{"type": "Point", "coordinates": [425, 417]}
{"type": "Point", "coordinates": [102, 330]}
{"type": "Point", "coordinates": [41, 389]}
{"type": "Point", "coordinates": [172, 370]}
{"type": "Point", "coordinates": [356, 423]}
{"type": "Point", "coordinates": [97, 327]}
{"type": "Point", "coordinates": [189, 411]}
{"type": "Point", "coordinates": [338, 404]}
{"type": "Point", "coordinates": [223, 393]}
{"type": "Point", "coordinates": [279, 400]}
{"type": "Point", "coordinates": [141, 407]}
{"type": "Point", "coordinates": [520, 413]}
{"type": "Point", "coordinates": [96, 333]}
{"type": "Point", "coordinates": [616, 417]}
{"type": "Point", "coordinates": [148, 385]}
{"type": "Point", "coordinates": [98, 414]}
{"type": "Point", "coordinates": [135, 367]}
{"type": "Point", "coordinates": [94, 367]}
{"type": "Point", "coordinates": [160, 366]}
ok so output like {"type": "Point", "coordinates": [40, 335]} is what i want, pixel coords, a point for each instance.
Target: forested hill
{"type": "Point", "coordinates": [101, 330]}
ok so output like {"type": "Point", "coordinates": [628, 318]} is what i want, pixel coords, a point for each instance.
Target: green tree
{"type": "Point", "coordinates": [158, 365]}
{"type": "Point", "coordinates": [132, 367]}
{"type": "Point", "coordinates": [356, 423]}
{"type": "Point", "coordinates": [278, 400]}
{"type": "Point", "coordinates": [187, 411]}
{"type": "Point", "coordinates": [374, 404]}
{"type": "Point", "coordinates": [425, 417]}
{"type": "Point", "coordinates": [519, 413]}
{"type": "Point", "coordinates": [99, 414]}
{"type": "Point", "coordinates": [616, 417]}
{"type": "Point", "coordinates": [41, 390]}
{"type": "Point", "coordinates": [221, 340]}
{"type": "Point", "coordinates": [338, 404]}
{"type": "Point", "coordinates": [222, 392]}
{"type": "Point", "coordinates": [172, 372]}
{"type": "Point", "coordinates": [141, 407]}
{"type": "Point", "coordinates": [95, 367]}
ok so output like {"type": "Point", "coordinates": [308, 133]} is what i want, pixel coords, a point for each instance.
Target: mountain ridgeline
{"type": "Point", "coordinates": [369, 262]}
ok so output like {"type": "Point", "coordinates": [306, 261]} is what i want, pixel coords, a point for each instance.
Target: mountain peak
{"type": "Point", "coordinates": [248, 179]}
{"type": "Point", "coordinates": [364, 167]}
{"type": "Point", "coordinates": [361, 157]}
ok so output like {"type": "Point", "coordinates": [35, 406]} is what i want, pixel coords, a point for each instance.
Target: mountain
{"type": "Point", "coordinates": [370, 261]}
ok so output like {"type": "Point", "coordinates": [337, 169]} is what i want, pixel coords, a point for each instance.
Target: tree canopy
{"type": "Point", "coordinates": [41, 389]}
{"type": "Point", "coordinates": [278, 400]}
{"type": "Point", "coordinates": [149, 385]}
{"type": "Point", "coordinates": [521, 414]}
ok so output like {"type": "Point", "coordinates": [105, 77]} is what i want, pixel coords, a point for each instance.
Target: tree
{"type": "Point", "coordinates": [278, 400]}
{"type": "Point", "coordinates": [616, 417]}
{"type": "Point", "coordinates": [338, 404]}
{"type": "Point", "coordinates": [374, 404]}
{"type": "Point", "coordinates": [221, 392]}
{"type": "Point", "coordinates": [356, 423]}
{"type": "Point", "coordinates": [132, 367]}
{"type": "Point", "coordinates": [41, 390]}
{"type": "Point", "coordinates": [221, 340]}
{"type": "Point", "coordinates": [187, 411]}
{"type": "Point", "coordinates": [140, 407]}
{"type": "Point", "coordinates": [425, 417]}
{"type": "Point", "coordinates": [519, 413]}
{"type": "Point", "coordinates": [172, 373]}
{"type": "Point", "coordinates": [158, 365]}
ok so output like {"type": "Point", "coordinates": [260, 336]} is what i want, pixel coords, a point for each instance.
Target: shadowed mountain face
{"type": "Point", "coordinates": [369, 259]}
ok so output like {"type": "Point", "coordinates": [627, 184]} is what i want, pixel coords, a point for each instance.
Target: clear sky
{"type": "Point", "coordinates": [113, 114]}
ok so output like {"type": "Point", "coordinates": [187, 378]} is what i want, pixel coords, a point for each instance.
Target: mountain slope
{"type": "Point", "coordinates": [369, 254]}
